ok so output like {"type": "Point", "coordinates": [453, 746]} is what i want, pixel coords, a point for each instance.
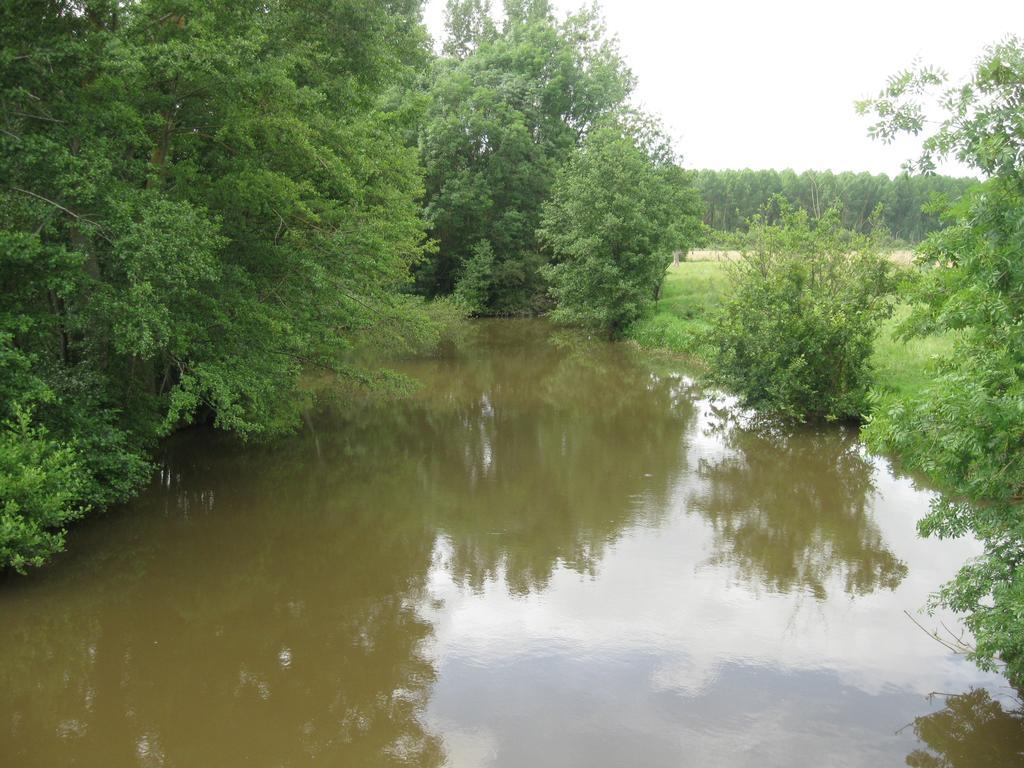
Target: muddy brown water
{"type": "Point", "coordinates": [556, 553]}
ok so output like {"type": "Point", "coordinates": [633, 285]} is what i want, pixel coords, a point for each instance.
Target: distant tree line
{"type": "Point", "coordinates": [732, 198]}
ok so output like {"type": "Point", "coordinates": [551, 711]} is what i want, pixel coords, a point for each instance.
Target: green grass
{"type": "Point", "coordinates": [682, 321]}
{"type": "Point", "coordinates": [903, 368]}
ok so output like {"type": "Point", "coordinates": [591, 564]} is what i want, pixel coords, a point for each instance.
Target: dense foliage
{"type": "Point", "coordinates": [794, 335]}
{"type": "Point", "coordinates": [734, 197]}
{"type": "Point", "coordinates": [618, 209]}
{"type": "Point", "coordinates": [506, 108]}
{"type": "Point", "coordinates": [966, 429]}
{"type": "Point", "coordinates": [199, 201]}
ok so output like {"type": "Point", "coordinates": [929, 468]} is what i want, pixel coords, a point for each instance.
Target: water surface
{"type": "Point", "coordinates": [555, 553]}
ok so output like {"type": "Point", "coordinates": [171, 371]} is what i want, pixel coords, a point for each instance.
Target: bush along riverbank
{"type": "Point", "coordinates": [938, 377]}
{"type": "Point", "coordinates": [695, 292]}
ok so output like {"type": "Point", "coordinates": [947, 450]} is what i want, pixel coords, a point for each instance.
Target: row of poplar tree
{"type": "Point", "coordinates": [908, 203]}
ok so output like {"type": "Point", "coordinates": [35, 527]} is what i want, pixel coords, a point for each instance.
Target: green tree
{"type": "Point", "coordinates": [505, 110]}
{"type": "Point", "coordinates": [734, 197]}
{"type": "Point", "coordinates": [199, 200]}
{"type": "Point", "coordinates": [618, 209]}
{"type": "Point", "coordinates": [467, 24]}
{"type": "Point", "coordinates": [795, 334]}
{"type": "Point", "coordinates": [966, 430]}
{"type": "Point", "coordinates": [474, 286]}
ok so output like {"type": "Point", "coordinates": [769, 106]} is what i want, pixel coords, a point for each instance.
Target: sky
{"type": "Point", "coordinates": [743, 84]}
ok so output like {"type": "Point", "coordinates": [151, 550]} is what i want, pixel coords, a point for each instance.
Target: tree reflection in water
{"type": "Point", "coordinates": [271, 619]}
{"type": "Point", "coordinates": [792, 509]}
{"type": "Point", "coordinates": [972, 731]}
{"type": "Point", "coordinates": [273, 605]}
{"type": "Point", "coordinates": [526, 449]}
{"type": "Point", "coordinates": [563, 454]}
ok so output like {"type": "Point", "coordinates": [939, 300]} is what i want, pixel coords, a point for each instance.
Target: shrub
{"type": "Point", "coordinates": [795, 334]}
{"type": "Point", "coordinates": [39, 487]}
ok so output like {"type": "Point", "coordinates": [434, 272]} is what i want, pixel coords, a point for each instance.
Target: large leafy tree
{"type": "Point", "coordinates": [198, 201]}
{"type": "Point", "coordinates": [506, 107]}
{"type": "Point", "coordinates": [966, 429]}
{"type": "Point", "coordinates": [618, 209]}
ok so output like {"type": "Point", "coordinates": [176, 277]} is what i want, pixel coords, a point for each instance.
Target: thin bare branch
{"type": "Point", "coordinates": [68, 211]}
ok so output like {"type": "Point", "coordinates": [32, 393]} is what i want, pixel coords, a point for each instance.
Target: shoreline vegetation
{"type": "Point", "coordinates": [683, 320]}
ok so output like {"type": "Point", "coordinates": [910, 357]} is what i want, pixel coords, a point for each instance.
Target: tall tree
{"type": "Point", "coordinates": [199, 200]}
{"type": "Point", "coordinates": [500, 121]}
{"type": "Point", "coordinates": [618, 209]}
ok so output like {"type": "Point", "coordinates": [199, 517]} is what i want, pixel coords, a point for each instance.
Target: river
{"type": "Point", "coordinates": [556, 552]}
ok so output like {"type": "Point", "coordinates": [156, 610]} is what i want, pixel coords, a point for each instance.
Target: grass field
{"type": "Point", "coordinates": [711, 254]}
{"type": "Point", "coordinates": [693, 290]}
{"type": "Point", "coordinates": [681, 322]}
{"type": "Point", "coordinates": [905, 367]}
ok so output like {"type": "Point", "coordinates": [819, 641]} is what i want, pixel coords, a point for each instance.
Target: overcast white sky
{"type": "Point", "coordinates": [743, 84]}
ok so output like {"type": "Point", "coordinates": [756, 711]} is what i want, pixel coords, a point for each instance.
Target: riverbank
{"type": "Point", "coordinates": [693, 290]}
